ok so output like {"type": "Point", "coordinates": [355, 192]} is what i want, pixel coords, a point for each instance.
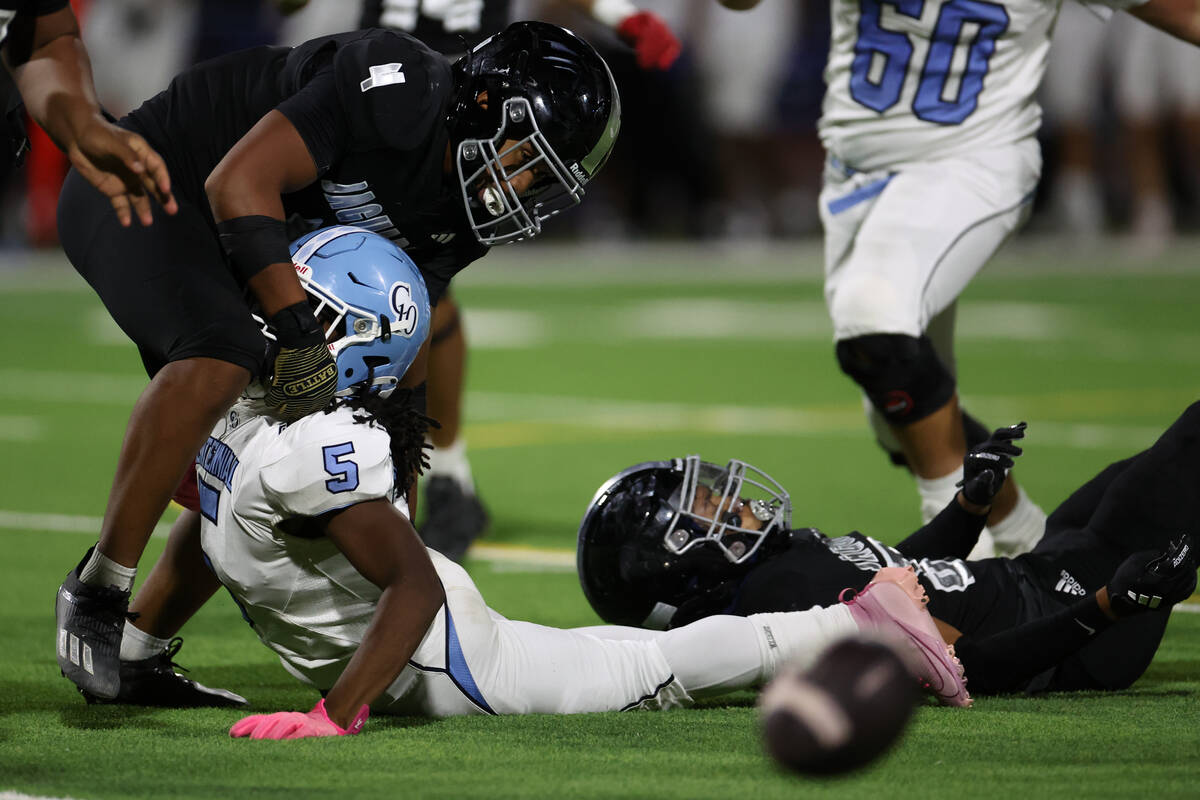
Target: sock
{"type": "Point", "coordinates": [451, 462]}
{"type": "Point", "coordinates": [800, 636]}
{"type": "Point", "coordinates": [103, 571]}
{"type": "Point", "coordinates": [720, 654]}
{"type": "Point", "coordinates": [137, 645]}
{"type": "Point", "coordinates": [1022, 529]}
{"type": "Point", "coordinates": [936, 493]}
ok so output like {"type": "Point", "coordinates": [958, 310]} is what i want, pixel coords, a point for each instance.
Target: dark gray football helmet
{"type": "Point", "coordinates": [552, 94]}
{"type": "Point", "coordinates": [665, 542]}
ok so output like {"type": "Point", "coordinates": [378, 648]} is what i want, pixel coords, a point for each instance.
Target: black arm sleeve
{"type": "Point", "coordinates": [1006, 661]}
{"type": "Point", "coordinates": [951, 534]}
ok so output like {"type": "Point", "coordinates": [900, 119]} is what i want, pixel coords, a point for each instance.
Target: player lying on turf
{"type": "Point", "coordinates": [666, 543]}
{"type": "Point", "coordinates": [299, 521]}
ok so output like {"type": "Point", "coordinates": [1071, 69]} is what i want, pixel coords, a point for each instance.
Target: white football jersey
{"type": "Point", "coordinates": [303, 597]}
{"type": "Point", "coordinates": [916, 80]}
{"type": "Point", "coordinates": [309, 605]}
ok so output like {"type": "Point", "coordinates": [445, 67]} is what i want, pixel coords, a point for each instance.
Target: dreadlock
{"type": "Point", "coordinates": [405, 424]}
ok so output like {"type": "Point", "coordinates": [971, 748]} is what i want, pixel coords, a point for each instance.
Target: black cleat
{"type": "Point", "coordinates": [453, 518]}
{"type": "Point", "coordinates": [153, 681]}
{"type": "Point", "coordinates": [90, 622]}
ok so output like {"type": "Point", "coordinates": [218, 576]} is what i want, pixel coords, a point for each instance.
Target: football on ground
{"type": "Point", "coordinates": [842, 713]}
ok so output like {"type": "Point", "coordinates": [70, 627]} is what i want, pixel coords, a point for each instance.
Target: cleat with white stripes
{"type": "Point", "coordinates": [893, 606]}
{"type": "Point", "coordinates": [90, 621]}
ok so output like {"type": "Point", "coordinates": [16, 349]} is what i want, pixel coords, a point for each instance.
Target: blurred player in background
{"type": "Point", "coordinates": [370, 128]}
{"type": "Point", "coordinates": [929, 125]}
{"type": "Point", "coordinates": [47, 68]}
{"type": "Point", "coordinates": [454, 514]}
{"type": "Point", "coordinates": [665, 543]}
{"type": "Point", "coordinates": [304, 524]}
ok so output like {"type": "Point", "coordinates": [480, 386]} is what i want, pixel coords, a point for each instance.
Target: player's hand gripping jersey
{"type": "Point", "coordinates": [915, 80]}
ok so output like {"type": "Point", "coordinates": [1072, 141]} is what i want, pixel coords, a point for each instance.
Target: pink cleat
{"type": "Point", "coordinates": [893, 605]}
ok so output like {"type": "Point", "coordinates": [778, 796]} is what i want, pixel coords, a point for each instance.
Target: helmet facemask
{"type": "Point", "coordinates": [715, 504]}
{"type": "Point", "coordinates": [503, 215]}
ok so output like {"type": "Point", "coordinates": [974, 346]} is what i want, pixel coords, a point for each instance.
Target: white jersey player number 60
{"type": "Point", "coordinates": [880, 88]}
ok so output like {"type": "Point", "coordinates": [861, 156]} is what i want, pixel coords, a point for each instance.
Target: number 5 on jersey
{"type": "Point", "coordinates": [344, 472]}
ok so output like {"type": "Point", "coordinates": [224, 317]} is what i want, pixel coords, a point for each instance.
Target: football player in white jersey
{"type": "Point", "coordinates": [304, 524]}
{"type": "Point", "coordinates": [929, 125]}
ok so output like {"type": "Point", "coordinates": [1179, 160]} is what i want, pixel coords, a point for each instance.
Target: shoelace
{"type": "Point", "coordinates": [166, 659]}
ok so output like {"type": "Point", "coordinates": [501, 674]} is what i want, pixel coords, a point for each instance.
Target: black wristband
{"type": "Point", "coordinates": [253, 243]}
{"type": "Point", "coordinates": [297, 326]}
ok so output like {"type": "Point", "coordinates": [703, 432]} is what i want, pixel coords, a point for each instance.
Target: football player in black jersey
{"type": "Point", "coordinates": [454, 514]}
{"type": "Point", "coordinates": [369, 128]}
{"type": "Point", "coordinates": [45, 58]}
{"type": "Point", "coordinates": [664, 543]}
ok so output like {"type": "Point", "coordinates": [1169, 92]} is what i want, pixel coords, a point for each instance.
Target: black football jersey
{"type": "Point", "coordinates": [980, 597]}
{"type": "Point", "coordinates": [448, 26]}
{"type": "Point", "coordinates": [35, 8]}
{"type": "Point", "coordinates": [371, 107]}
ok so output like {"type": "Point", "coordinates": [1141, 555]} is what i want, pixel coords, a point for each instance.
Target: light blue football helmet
{"type": "Point", "coordinates": [373, 300]}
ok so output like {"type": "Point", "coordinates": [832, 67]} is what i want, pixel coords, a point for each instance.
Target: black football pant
{"type": "Point", "coordinates": [167, 285]}
{"type": "Point", "coordinates": [1140, 503]}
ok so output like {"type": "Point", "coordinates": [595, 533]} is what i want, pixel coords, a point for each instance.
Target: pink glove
{"type": "Point", "coordinates": [649, 36]}
{"type": "Point", "coordinates": [294, 725]}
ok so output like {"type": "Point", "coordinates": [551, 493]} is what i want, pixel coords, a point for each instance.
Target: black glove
{"type": "Point", "coordinates": [305, 376]}
{"type": "Point", "coordinates": [986, 464]}
{"type": "Point", "coordinates": [1154, 578]}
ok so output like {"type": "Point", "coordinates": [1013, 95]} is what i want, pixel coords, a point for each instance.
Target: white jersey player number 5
{"type": "Point", "coordinates": [950, 80]}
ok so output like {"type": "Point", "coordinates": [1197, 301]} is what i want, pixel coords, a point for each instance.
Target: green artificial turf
{"type": "Point", "coordinates": [583, 363]}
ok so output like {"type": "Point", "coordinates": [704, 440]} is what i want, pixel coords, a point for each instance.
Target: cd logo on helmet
{"type": "Point", "coordinates": [405, 310]}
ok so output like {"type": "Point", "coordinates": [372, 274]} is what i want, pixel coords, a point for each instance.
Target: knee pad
{"type": "Point", "coordinates": [902, 375]}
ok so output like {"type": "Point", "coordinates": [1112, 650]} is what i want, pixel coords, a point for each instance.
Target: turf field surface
{"type": "Point", "coordinates": [584, 361]}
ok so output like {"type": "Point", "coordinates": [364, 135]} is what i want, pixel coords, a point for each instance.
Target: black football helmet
{"type": "Point", "coordinates": [551, 95]}
{"type": "Point", "coordinates": [665, 542]}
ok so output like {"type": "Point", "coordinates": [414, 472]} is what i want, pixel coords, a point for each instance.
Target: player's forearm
{"type": "Point", "coordinates": [250, 223]}
{"type": "Point", "coordinates": [1007, 660]}
{"type": "Point", "coordinates": [404, 613]}
{"type": "Point", "coordinates": [951, 534]}
{"type": "Point", "coordinates": [56, 87]}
